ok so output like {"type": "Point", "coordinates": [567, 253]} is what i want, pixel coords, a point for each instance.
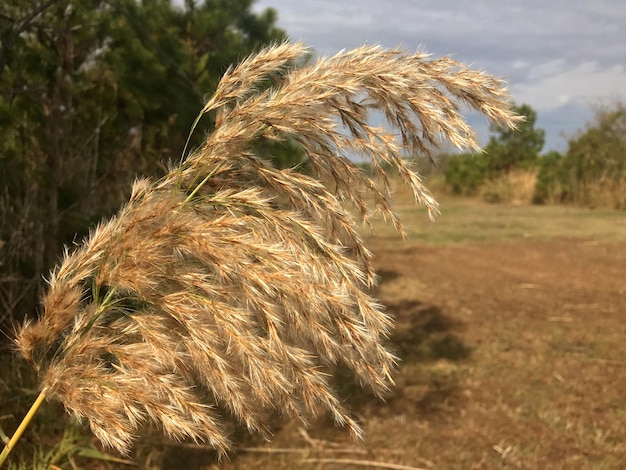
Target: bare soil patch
{"type": "Point", "coordinates": [513, 354]}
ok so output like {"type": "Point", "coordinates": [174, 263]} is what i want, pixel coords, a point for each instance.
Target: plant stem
{"type": "Point", "coordinates": [23, 425]}
{"type": "Point", "coordinates": [42, 395]}
{"type": "Point", "coordinates": [202, 183]}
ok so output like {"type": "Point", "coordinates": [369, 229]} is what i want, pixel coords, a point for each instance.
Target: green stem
{"type": "Point", "coordinates": [99, 310]}
{"type": "Point", "coordinates": [202, 183]}
{"type": "Point", "coordinates": [23, 425]}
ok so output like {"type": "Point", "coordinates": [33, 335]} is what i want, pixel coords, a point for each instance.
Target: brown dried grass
{"type": "Point", "coordinates": [516, 187]}
{"type": "Point", "coordinates": [229, 287]}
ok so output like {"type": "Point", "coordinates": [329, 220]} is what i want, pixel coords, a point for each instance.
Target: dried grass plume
{"type": "Point", "coordinates": [230, 287]}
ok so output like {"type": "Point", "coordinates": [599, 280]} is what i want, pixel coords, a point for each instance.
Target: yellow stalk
{"type": "Point", "coordinates": [23, 425]}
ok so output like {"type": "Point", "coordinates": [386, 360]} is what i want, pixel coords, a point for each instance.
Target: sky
{"type": "Point", "coordinates": [562, 57]}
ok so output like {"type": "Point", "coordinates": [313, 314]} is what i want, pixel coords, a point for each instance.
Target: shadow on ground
{"type": "Point", "coordinates": [427, 381]}
{"type": "Point", "coordinates": [425, 340]}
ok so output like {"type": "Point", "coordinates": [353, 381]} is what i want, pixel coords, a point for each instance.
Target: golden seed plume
{"type": "Point", "coordinates": [230, 287]}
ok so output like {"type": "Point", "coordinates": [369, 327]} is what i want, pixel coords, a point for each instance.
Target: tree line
{"type": "Point", "coordinates": [591, 172]}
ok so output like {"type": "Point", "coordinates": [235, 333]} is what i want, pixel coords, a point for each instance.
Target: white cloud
{"type": "Point", "coordinates": [558, 56]}
{"type": "Point", "coordinates": [546, 70]}
{"type": "Point", "coordinates": [555, 84]}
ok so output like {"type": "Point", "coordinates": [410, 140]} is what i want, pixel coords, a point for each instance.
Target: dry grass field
{"type": "Point", "coordinates": [510, 326]}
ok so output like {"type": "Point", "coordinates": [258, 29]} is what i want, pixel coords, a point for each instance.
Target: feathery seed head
{"type": "Point", "coordinates": [229, 287]}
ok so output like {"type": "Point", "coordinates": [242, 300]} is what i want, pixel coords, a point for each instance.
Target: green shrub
{"type": "Point", "coordinates": [511, 149]}
{"type": "Point", "coordinates": [508, 150]}
{"type": "Point", "coordinates": [465, 174]}
{"type": "Point", "coordinates": [593, 170]}
{"type": "Point", "coordinates": [549, 187]}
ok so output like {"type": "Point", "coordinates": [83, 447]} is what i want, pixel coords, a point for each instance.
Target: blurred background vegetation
{"type": "Point", "coordinates": [94, 93]}
{"type": "Point", "coordinates": [591, 172]}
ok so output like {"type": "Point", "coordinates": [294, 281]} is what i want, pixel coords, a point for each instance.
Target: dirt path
{"type": "Point", "coordinates": [542, 385]}
{"type": "Point", "coordinates": [513, 354]}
